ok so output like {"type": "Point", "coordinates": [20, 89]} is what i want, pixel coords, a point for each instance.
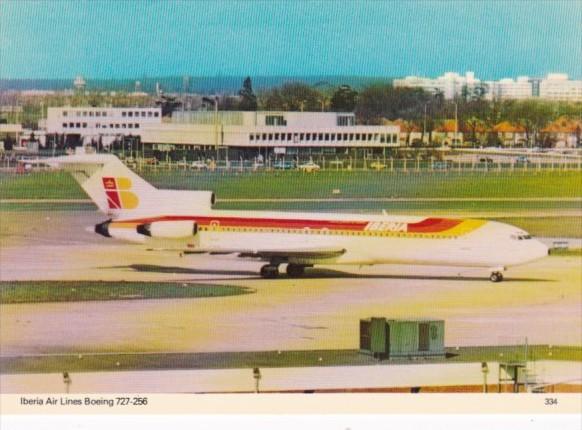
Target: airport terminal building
{"type": "Point", "coordinates": [233, 131]}
{"type": "Point", "coordinates": [280, 132]}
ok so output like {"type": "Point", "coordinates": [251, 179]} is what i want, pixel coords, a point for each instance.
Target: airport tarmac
{"type": "Point", "coordinates": [540, 301]}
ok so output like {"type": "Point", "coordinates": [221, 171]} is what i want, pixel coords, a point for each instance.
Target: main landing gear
{"type": "Point", "coordinates": [271, 271]}
{"type": "Point", "coordinates": [496, 277]}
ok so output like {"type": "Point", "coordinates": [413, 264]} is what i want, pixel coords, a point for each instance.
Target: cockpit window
{"type": "Point", "coordinates": [520, 236]}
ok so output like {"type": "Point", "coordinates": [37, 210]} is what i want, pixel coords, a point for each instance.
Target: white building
{"type": "Point", "coordinates": [90, 121]}
{"type": "Point", "coordinates": [287, 131]}
{"type": "Point", "coordinates": [450, 84]}
{"type": "Point", "coordinates": [557, 86]}
{"type": "Point", "coordinates": [507, 88]}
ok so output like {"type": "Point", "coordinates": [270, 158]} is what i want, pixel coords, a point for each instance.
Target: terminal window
{"type": "Point", "coordinates": [156, 114]}
{"type": "Point", "coordinates": [275, 120]}
{"type": "Point", "coordinates": [136, 125]}
{"type": "Point", "coordinates": [123, 113]}
{"type": "Point", "coordinates": [345, 120]}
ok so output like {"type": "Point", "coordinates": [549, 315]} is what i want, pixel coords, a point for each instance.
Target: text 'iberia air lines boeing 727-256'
{"type": "Point", "coordinates": [185, 221]}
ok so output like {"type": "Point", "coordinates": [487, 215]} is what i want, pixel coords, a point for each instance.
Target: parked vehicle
{"type": "Point", "coordinates": [310, 166]}
{"type": "Point", "coordinates": [283, 165]}
{"type": "Point", "coordinates": [377, 165]}
{"type": "Point", "coordinates": [442, 165]}
{"type": "Point", "coordinates": [522, 159]}
{"type": "Point", "coordinates": [199, 165]}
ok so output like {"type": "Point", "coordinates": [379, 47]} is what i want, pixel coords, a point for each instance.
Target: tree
{"type": "Point", "coordinates": [168, 104]}
{"type": "Point", "coordinates": [294, 96]}
{"type": "Point", "coordinates": [344, 99]}
{"type": "Point", "coordinates": [474, 124]}
{"type": "Point", "coordinates": [380, 101]}
{"type": "Point", "coordinates": [248, 101]}
{"type": "Point", "coordinates": [532, 115]}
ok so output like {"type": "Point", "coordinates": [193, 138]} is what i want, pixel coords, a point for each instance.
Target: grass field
{"type": "Point", "coordinates": [292, 184]}
{"type": "Point", "coordinates": [264, 359]}
{"type": "Point", "coordinates": [76, 291]}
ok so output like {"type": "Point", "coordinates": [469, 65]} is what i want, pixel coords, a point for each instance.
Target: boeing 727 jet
{"type": "Point", "coordinates": [186, 222]}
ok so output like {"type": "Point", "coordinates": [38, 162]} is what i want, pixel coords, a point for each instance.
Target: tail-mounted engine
{"type": "Point", "coordinates": [169, 229]}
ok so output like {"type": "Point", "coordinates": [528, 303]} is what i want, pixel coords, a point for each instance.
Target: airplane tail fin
{"type": "Point", "coordinates": [112, 186]}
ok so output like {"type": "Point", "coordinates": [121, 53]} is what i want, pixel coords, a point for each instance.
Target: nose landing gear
{"type": "Point", "coordinates": [496, 277]}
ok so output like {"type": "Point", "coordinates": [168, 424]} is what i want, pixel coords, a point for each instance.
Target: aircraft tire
{"type": "Point", "coordinates": [496, 277]}
{"type": "Point", "coordinates": [295, 270]}
{"type": "Point", "coordinates": [269, 271]}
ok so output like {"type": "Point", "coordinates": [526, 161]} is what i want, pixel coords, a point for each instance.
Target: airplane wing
{"type": "Point", "coordinates": [281, 254]}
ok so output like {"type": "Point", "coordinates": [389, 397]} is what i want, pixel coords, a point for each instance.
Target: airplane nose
{"type": "Point", "coordinates": [541, 249]}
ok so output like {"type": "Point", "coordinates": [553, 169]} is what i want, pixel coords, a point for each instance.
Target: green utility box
{"type": "Point", "coordinates": [386, 338]}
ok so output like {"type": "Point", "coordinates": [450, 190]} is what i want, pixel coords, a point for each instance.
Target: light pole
{"type": "Point", "coordinates": [215, 101]}
{"type": "Point", "coordinates": [456, 123]}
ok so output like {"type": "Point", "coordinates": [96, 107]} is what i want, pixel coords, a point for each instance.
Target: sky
{"type": "Point", "coordinates": [135, 38]}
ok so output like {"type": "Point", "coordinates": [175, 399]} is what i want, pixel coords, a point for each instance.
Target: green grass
{"type": "Point", "coordinates": [264, 359]}
{"type": "Point", "coordinates": [577, 252]}
{"type": "Point", "coordinates": [12, 292]}
{"type": "Point", "coordinates": [40, 185]}
{"type": "Point", "coordinates": [293, 184]}
{"type": "Point", "coordinates": [565, 226]}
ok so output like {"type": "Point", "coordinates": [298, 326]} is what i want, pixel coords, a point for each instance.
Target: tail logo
{"type": "Point", "coordinates": [118, 194]}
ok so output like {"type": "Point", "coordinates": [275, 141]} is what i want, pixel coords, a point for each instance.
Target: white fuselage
{"type": "Point", "coordinates": [375, 239]}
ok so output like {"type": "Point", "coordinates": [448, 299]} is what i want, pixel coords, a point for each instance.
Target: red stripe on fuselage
{"type": "Point", "coordinates": [433, 225]}
{"type": "Point", "coordinates": [428, 225]}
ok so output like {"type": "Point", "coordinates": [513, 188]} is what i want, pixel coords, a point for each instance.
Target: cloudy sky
{"type": "Point", "coordinates": [129, 39]}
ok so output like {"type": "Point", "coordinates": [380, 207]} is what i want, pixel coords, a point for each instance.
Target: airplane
{"type": "Point", "coordinates": [186, 222]}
